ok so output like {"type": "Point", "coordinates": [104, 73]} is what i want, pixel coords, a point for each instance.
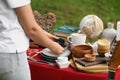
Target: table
{"type": "Point", "coordinates": [47, 72]}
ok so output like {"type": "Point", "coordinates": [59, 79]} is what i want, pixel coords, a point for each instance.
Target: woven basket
{"type": "Point", "coordinates": [46, 21]}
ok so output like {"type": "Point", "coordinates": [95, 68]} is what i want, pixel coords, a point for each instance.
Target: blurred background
{"type": "Point", "coordinates": [70, 12]}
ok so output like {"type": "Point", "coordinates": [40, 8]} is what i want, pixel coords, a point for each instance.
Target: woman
{"type": "Point", "coordinates": [17, 24]}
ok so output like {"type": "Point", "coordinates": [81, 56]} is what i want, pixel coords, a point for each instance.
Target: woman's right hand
{"type": "Point", "coordinates": [56, 48]}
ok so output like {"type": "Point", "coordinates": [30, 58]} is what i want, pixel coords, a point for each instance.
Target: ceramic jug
{"type": "Point", "coordinates": [109, 33]}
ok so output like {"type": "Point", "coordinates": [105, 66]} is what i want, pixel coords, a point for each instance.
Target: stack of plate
{"type": "Point", "coordinates": [47, 55]}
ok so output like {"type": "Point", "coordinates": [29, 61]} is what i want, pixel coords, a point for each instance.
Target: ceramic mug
{"type": "Point", "coordinates": [76, 39]}
{"type": "Point", "coordinates": [62, 59]}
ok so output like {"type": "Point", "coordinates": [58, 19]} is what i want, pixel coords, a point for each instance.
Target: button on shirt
{"type": "Point", "coordinates": [12, 36]}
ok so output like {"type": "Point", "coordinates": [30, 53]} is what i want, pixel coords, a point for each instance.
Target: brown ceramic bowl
{"type": "Point", "coordinates": [90, 57]}
{"type": "Point", "coordinates": [102, 52]}
{"type": "Point", "coordinates": [80, 50]}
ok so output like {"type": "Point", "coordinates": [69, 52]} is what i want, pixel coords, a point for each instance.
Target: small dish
{"type": "Point", "coordinates": [90, 57]}
{"type": "Point", "coordinates": [48, 52]}
{"type": "Point", "coordinates": [47, 55]}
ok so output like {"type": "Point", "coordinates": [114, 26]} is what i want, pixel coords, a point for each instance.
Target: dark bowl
{"type": "Point", "coordinates": [61, 41]}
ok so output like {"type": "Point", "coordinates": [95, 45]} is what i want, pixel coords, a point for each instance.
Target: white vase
{"type": "Point", "coordinates": [118, 31]}
{"type": "Point", "coordinates": [109, 33]}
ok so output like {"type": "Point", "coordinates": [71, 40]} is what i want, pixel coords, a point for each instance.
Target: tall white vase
{"type": "Point", "coordinates": [118, 31]}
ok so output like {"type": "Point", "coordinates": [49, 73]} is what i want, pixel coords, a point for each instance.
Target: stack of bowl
{"type": "Point", "coordinates": [103, 46]}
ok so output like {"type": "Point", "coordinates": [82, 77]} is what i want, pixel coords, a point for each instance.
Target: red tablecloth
{"type": "Point", "coordinates": [47, 72]}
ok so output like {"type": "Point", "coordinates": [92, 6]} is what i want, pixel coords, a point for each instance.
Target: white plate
{"type": "Point", "coordinates": [48, 52]}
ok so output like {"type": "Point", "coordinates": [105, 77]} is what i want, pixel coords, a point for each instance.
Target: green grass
{"type": "Point", "coordinates": [70, 12]}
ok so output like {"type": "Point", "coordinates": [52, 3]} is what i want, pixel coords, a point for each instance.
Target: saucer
{"type": "Point", "coordinates": [48, 52]}
{"type": "Point", "coordinates": [47, 55]}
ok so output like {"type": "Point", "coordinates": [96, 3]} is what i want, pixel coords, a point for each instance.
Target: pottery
{"type": "Point", "coordinates": [80, 50]}
{"type": "Point", "coordinates": [62, 62]}
{"type": "Point", "coordinates": [109, 33]}
{"type": "Point", "coordinates": [103, 46]}
{"type": "Point", "coordinates": [76, 39]}
{"type": "Point", "coordinates": [118, 31]}
{"type": "Point", "coordinates": [90, 57]}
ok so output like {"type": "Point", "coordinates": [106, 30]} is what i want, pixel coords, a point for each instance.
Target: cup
{"type": "Point", "coordinates": [76, 39]}
{"type": "Point", "coordinates": [62, 62]}
{"type": "Point", "coordinates": [62, 59]}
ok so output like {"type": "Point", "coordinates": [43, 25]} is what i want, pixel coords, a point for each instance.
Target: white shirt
{"type": "Point", "coordinates": [12, 36]}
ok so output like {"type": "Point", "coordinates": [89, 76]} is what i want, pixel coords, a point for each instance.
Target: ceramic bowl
{"type": "Point", "coordinates": [90, 57]}
{"type": "Point", "coordinates": [103, 46]}
{"type": "Point", "coordinates": [102, 52]}
{"type": "Point", "coordinates": [80, 50]}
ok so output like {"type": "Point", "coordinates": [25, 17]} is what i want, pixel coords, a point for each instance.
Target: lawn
{"type": "Point", "coordinates": [70, 12]}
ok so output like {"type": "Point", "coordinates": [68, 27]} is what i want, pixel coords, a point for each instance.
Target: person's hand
{"type": "Point", "coordinates": [56, 48]}
{"type": "Point", "coordinates": [51, 36]}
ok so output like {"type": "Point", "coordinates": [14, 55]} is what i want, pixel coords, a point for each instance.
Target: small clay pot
{"type": "Point", "coordinates": [90, 57]}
